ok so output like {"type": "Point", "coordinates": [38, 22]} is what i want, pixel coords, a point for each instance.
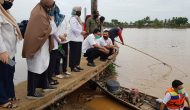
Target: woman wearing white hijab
{"type": "Point", "coordinates": [9, 35]}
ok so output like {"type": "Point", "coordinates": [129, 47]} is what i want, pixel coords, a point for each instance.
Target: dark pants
{"type": "Point", "coordinates": [75, 54]}
{"type": "Point", "coordinates": [6, 82]}
{"type": "Point", "coordinates": [65, 57]}
{"type": "Point", "coordinates": [94, 53]}
{"type": "Point", "coordinates": [37, 81]}
{"type": "Point", "coordinates": [55, 57]}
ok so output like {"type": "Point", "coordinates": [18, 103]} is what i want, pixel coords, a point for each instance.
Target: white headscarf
{"type": "Point", "coordinates": [10, 19]}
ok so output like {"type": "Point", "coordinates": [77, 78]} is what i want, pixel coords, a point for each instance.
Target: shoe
{"type": "Point", "coordinates": [36, 95]}
{"type": "Point", "coordinates": [50, 88]}
{"type": "Point", "coordinates": [79, 68]}
{"type": "Point", "coordinates": [67, 76]}
{"type": "Point", "coordinates": [53, 82]}
{"type": "Point", "coordinates": [67, 73]}
{"type": "Point", "coordinates": [60, 76]}
{"type": "Point", "coordinates": [91, 64]}
{"type": "Point", "coordinates": [75, 70]}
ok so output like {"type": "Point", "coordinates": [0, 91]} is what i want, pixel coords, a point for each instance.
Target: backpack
{"type": "Point", "coordinates": [23, 26]}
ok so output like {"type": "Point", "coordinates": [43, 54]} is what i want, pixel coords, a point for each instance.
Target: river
{"type": "Point", "coordinates": [138, 70]}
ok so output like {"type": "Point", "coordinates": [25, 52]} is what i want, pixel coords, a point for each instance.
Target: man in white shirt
{"type": "Point", "coordinates": [175, 97]}
{"type": "Point", "coordinates": [106, 42]}
{"type": "Point", "coordinates": [92, 49]}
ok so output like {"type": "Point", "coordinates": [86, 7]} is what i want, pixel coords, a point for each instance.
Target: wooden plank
{"type": "Point", "coordinates": [65, 87]}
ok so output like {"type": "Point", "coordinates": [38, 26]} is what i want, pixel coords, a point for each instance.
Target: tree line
{"type": "Point", "coordinates": [175, 22]}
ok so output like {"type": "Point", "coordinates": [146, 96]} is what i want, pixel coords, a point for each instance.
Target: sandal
{"type": "Point", "coordinates": [60, 76]}
{"type": "Point", "coordinates": [14, 99]}
{"type": "Point", "coordinates": [53, 82]}
{"type": "Point", "coordinates": [9, 105]}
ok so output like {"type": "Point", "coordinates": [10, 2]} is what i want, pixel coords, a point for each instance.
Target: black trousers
{"type": "Point", "coordinates": [94, 53]}
{"type": "Point", "coordinates": [55, 57]}
{"type": "Point", "coordinates": [6, 82]}
{"type": "Point", "coordinates": [36, 81]}
{"type": "Point", "coordinates": [65, 57]}
{"type": "Point", "coordinates": [75, 54]}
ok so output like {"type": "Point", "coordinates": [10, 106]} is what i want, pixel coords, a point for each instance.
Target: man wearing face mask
{"type": "Point", "coordinates": [9, 35]}
{"type": "Point", "coordinates": [92, 22]}
{"type": "Point", "coordinates": [106, 42]}
{"type": "Point", "coordinates": [175, 97]}
{"type": "Point", "coordinates": [37, 46]}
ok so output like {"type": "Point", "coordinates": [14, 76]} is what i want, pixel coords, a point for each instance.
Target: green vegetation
{"type": "Point", "coordinates": [175, 22]}
{"type": "Point", "coordinates": [111, 69]}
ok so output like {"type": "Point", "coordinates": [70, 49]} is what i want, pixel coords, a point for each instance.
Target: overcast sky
{"type": "Point", "coordinates": [123, 10]}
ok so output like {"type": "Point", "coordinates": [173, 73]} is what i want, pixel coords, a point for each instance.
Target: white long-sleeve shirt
{"type": "Point", "coordinates": [8, 40]}
{"type": "Point", "coordinates": [75, 31]}
{"type": "Point", "coordinates": [40, 61]}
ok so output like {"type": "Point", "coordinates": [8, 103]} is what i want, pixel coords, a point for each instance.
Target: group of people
{"type": "Point", "coordinates": [49, 41]}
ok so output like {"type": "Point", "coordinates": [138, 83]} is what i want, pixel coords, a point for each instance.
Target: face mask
{"type": "Point", "coordinates": [180, 91]}
{"type": "Point", "coordinates": [98, 37]}
{"type": "Point", "coordinates": [7, 5]}
{"type": "Point", "coordinates": [51, 12]}
{"type": "Point", "coordinates": [78, 13]}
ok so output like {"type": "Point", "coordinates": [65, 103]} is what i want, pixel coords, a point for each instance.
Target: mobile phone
{"type": "Point", "coordinates": [11, 62]}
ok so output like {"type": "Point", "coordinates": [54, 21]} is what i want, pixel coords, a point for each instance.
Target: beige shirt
{"type": "Point", "coordinates": [8, 40]}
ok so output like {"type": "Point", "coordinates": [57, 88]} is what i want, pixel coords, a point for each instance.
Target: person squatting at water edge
{"type": "Point", "coordinates": [76, 38]}
{"type": "Point", "coordinates": [9, 36]}
{"type": "Point", "coordinates": [106, 42]}
{"type": "Point", "coordinates": [175, 97]}
{"type": "Point", "coordinates": [92, 50]}
{"type": "Point", "coordinates": [39, 30]}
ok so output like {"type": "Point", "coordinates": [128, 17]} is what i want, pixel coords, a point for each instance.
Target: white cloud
{"type": "Point", "coordinates": [125, 10]}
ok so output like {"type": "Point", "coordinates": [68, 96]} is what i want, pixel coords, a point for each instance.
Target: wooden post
{"type": "Point", "coordinates": [94, 5]}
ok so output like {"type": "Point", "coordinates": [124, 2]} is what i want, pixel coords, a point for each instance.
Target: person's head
{"type": "Point", "coordinates": [97, 32]}
{"type": "Point", "coordinates": [177, 85]}
{"type": "Point", "coordinates": [102, 19]}
{"type": "Point", "coordinates": [106, 34]}
{"type": "Point", "coordinates": [6, 4]}
{"type": "Point", "coordinates": [95, 14]}
{"type": "Point", "coordinates": [49, 6]}
{"type": "Point", "coordinates": [77, 11]}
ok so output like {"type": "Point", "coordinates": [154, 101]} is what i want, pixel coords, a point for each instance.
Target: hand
{"type": "Point", "coordinates": [83, 33]}
{"type": "Point", "coordinates": [4, 57]}
{"type": "Point", "coordinates": [106, 51]}
{"type": "Point", "coordinates": [62, 38]}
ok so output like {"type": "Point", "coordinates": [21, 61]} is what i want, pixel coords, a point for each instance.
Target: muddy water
{"type": "Point", "coordinates": [138, 70]}
{"type": "Point", "coordinates": [148, 75]}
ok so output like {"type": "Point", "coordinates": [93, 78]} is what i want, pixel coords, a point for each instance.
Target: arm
{"type": "Point", "coordinates": [3, 51]}
{"type": "Point", "coordinates": [120, 36]}
{"type": "Point", "coordinates": [162, 106]}
{"type": "Point", "coordinates": [187, 100]}
{"type": "Point", "coordinates": [88, 25]}
{"type": "Point", "coordinates": [2, 45]}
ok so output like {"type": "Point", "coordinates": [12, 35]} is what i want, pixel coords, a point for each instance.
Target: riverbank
{"type": "Point", "coordinates": [86, 98]}
{"type": "Point", "coordinates": [65, 87]}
